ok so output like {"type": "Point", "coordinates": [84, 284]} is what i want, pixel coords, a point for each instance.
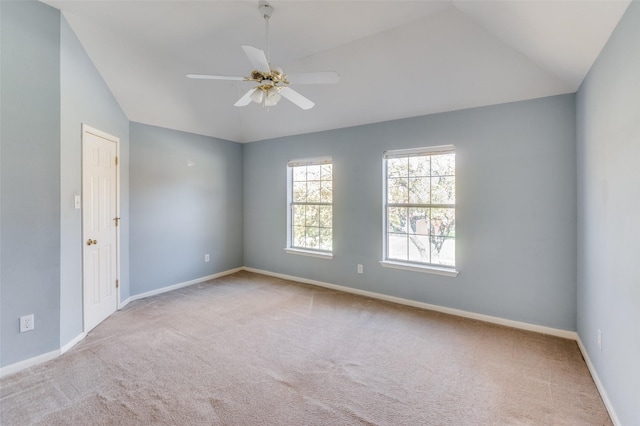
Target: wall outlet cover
{"type": "Point", "coordinates": [27, 323]}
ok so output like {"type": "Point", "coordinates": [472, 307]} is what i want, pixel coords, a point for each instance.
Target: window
{"type": "Point", "coordinates": [420, 207]}
{"type": "Point", "coordinates": [310, 206]}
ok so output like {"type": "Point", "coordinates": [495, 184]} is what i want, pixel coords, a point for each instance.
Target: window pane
{"type": "Point", "coordinates": [313, 172]}
{"type": "Point", "coordinates": [299, 173]}
{"type": "Point", "coordinates": [419, 249]}
{"type": "Point", "coordinates": [326, 216]}
{"type": "Point", "coordinates": [447, 253]}
{"type": "Point", "coordinates": [397, 219]}
{"type": "Point", "coordinates": [299, 192]}
{"type": "Point", "coordinates": [298, 215]}
{"type": "Point", "coordinates": [326, 191]}
{"type": "Point", "coordinates": [419, 221]}
{"type": "Point", "coordinates": [397, 191]}
{"type": "Point", "coordinates": [326, 172]}
{"type": "Point", "coordinates": [312, 216]}
{"type": "Point", "coordinates": [313, 238]}
{"type": "Point", "coordinates": [443, 222]}
{"type": "Point", "coordinates": [443, 190]}
{"type": "Point", "coordinates": [419, 166]}
{"type": "Point", "coordinates": [443, 165]}
{"type": "Point", "coordinates": [398, 167]}
{"type": "Point", "coordinates": [419, 190]}
{"type": "Point", "coordinates": [326, 239]}
{"type": "Point", "coordinates": [313, 192]}
{"type": "Point", "coordinates": [397, 246]}
{"type": "Point", "coordinates": [298, 236]}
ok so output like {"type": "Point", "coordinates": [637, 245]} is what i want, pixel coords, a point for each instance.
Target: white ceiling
{"type": "Point", "coordinates": [395, 58]}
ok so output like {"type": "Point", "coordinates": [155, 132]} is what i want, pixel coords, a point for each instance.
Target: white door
{"type": "Point", "coordinates": [99, 225]}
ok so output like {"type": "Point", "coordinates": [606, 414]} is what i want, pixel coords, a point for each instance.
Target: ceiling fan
{"type": "Point", "coordinates": [273, 83]}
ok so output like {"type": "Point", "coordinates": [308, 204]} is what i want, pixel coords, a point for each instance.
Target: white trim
{"type": "Point", "coordinates": [428, 269]}
{"type": "Point", "coordinates": [409, 152]}
{"type": "Point", "coordinates": [300, 252]}
{"type": "Point", "coordinates": [183, 284]}
{"type": "Point", "coordinates": [125, 303]}
{"type": "Point", "coordinates": [21, 365]}
{"type": "Point", "coordinates": [72, 342]}
{"type": "Point", "coordinates": [99, 133]}
{"type": "Point", "coordinates": [599, 385]}
{"type": "Point", "coordinates": [315, 161]}
{"type": "Point", "coordinates": [457, 312]}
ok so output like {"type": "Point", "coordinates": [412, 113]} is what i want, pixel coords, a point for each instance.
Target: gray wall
{"type": "Point", "coordinates": [515, 219]}
{"type": "Point", "coordinates": [180, 212]}
{"type": "Point", "coordinates": [84, 98]}
{"type": "Point", "coordinates": [30, 178]}
{"type": "Point", "coordinates": [608, 123]}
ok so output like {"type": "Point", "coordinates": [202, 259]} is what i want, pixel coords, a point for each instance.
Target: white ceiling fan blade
{"type": "Point", "coordinates": [246, 99]}
{"type": "Point", "coordinates": [214, 77]}
{"type": "Point", "coordinates": [257, 58]}
{"type": "Point", "coordinates": [296, 98]}
{"type": "Point", "coordinates": [324, 77]}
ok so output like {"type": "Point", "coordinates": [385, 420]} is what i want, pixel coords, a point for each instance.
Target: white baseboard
{"type": "Point", "coordinates": [73, 342]}
{"type": "Point", "coordinates": [21, 365]}
{"type": "Point", "coordinates": [181, 285]}
{"type": "Point", "coordinates": [458, 312]}
{"type": "Point", "coordinates": [125, 303]}
{"type": "Point", "coordinates": [599, 385]}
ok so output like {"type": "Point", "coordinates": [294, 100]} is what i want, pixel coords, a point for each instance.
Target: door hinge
{"type": "Point", "coordinates": [116, 160]}
{"type": "Point", "coordinates": [117, 219]}
{"type": "Point", "coordinates": [117, 283]}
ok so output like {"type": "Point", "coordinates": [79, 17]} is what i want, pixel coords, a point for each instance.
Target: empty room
{"type": "Point", "coordinates": [319, 212]}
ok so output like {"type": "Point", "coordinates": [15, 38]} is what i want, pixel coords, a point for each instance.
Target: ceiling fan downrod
{"type": "Point", "coordinates": [266, 10]}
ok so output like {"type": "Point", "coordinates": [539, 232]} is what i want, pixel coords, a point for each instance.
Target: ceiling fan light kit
{"type": "Point", "coordinates": [273, 83]}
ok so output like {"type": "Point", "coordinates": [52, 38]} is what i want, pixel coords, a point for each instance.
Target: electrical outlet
{"type": "Point", "coordinates": [206, 257]}
{"type": "Point", "coordinates": [599, 339]}
{"type": "Point", "coordinates": [360, 268]}
{"type": "Point", "coordinates": [27, 323]}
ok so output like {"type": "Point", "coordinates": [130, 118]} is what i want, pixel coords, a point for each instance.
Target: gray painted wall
{"type": "Point", "coordinates": [608, 123]}
{"type": "Point", "coordinates": [515, 219]}
{"type": "Point", "coordinates": [30, 178]}
{"type": "Point", "coordinates": [84, 98]}
{"type": "Point", "coordinates": [180, 212]}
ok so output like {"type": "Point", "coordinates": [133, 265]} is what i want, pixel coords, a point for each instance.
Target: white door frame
{"type": "Point", "coordinates": [88, 129]}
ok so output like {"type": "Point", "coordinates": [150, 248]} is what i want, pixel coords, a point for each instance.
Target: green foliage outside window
{"type": "Point", "coordinates": [421, 208]}
{"type": "Point", "coordinates": [311, 207]}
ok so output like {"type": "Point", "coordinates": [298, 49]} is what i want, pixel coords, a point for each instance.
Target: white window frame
{"type": "Point", "coordinates": [322, 254]}
{"type": "Point", "coordinates": [450, 271]}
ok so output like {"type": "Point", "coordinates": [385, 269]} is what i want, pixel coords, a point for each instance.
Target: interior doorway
{"type": "Point", "coordinates": [100, 231]}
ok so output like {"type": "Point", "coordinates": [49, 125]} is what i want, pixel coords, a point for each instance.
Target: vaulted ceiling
{"type": "Point", "coordinates": [395, 58]}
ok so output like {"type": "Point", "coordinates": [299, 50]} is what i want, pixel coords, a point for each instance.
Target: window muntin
{"type": "Point", "coordinates": [311, 205]}
{"type": "Point", "coordinates": [420, 206]}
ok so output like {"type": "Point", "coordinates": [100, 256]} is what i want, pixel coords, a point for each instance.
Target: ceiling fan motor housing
{"type": "Point", "coordinates": [276, 76]}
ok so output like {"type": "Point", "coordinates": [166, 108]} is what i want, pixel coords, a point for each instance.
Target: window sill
{"type": "Point", "coordinates": [448, 272]}
{"type": "Point", "coordinates": [310, 253]}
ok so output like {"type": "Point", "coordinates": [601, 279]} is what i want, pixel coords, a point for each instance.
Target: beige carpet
{"type": "Point", "coordinates": [247, 349]}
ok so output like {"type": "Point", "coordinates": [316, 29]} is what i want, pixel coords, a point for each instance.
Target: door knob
{"type": "Point", "coordinates": [90, 241]}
